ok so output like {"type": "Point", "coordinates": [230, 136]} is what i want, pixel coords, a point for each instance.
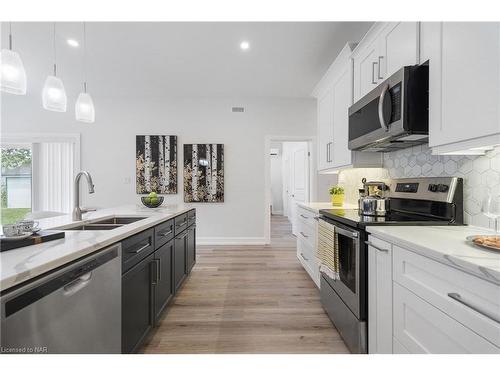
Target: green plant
{"type": "Point", "coordinates": [336, 190]}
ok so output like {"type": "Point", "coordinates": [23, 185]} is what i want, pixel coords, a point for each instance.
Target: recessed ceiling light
{"type": "Point", "coordinates": [72, 42]}
{"type": "Point", "coordinates": [244, 45]}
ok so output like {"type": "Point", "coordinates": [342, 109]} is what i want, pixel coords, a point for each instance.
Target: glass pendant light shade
{"type": "Point", "coordinates": [12, 73]}
{"type": "Point", "coordinates": [84, 108]}
{"type": "Point", "coordinates": [53, 95]}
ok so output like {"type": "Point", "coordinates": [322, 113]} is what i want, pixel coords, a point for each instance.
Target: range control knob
{"type": "Point", "coordinates": [442, 188]}
{"type": "Point", "coordinates": [433, 188]}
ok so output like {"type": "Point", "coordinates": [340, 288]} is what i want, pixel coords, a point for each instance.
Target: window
{"type": "Point", "coordinates": [16, 162]}
{"type": "Point", "coordinates": [37, 173]}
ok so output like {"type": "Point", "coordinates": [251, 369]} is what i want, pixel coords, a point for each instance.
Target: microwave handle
{"type": "Point", "coordinates": [381, 118]}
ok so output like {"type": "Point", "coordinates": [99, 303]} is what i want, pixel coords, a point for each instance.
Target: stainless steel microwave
{"type": "Point", "coordinates": [394, 115]}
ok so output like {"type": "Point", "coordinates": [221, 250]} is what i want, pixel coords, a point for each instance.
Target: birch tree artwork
{"type": "Point", "coordinates": [156, 164]}
{"type": "Point", "coordinates": [204, 173]}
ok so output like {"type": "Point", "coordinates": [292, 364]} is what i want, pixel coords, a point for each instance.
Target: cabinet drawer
{"type": "Point", "coordinates": [136, 248]}
{"type": "Point", "coordinates": [181, 223]}
{"type": "Point", "coordinates": [306, 216]}
{"type": "Point", "coordinates": [422, 328]}
{"type": "Point", "coordinates": [439, 284]}
{"type": "Point", "coordinates": [307, 234]}
{"type": "Point", "coordinates": [164, 232]}
{"type": "Point", "coordinates": [191, 217]}
{"type": "Point", "coordinates": [307, 256]}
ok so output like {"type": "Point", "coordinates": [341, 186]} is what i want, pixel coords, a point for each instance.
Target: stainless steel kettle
{"type": "Point", "coordinates": [374, 204]}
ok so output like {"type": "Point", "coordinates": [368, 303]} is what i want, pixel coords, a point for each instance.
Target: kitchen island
{"type": "Point", "coordinates": [23, 264]}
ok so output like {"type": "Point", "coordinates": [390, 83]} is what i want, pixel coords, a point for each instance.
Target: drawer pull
{"type": "Point", "coordinates": [305, 217]}
{"type": "Point", "coordinates": [457, 297]}
{"type": "Point", "coordinates": [304, 235]}
{"type": "Point", "coordinates": [143, 247]}
{"type": "Point", "coordinates": [303, 257]}
{"type": "Point", "coordinates": [165, 234]}
{"type": "Point", "coordinates": [182, 224]}
{"type": "Point", "coordinates": [376, 247]}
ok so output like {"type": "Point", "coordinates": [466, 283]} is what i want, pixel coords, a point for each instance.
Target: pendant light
{"type": "Point", "coordinates": [12, 73]}
{"type": "Point", "coordinates": [53, 94]}
{"type": "Point", "coordinates": [84, 106]}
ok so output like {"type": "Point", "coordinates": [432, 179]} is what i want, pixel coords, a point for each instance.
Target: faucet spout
{"type": "Point", "coordinates": [77, 210]}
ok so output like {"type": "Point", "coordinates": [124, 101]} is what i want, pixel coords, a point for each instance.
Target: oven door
{"type": "Point", "coordinates": [348, 286]}
{"type": "Point", "coordinates": [378, 116]}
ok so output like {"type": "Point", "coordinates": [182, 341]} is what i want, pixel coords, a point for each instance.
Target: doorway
{"type": "Point", "coordinates": [288, 178]}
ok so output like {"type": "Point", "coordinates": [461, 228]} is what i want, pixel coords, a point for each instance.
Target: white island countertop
{"type": "Point", "coordinates": [446, 244]}
{"type": "Point", "coordinates": [19, 265]}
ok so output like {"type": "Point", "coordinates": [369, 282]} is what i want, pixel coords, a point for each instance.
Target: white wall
{"type": "Point", "coordinates": [277, 180]}
{"type": "Point", "coordinates": [108, 148]}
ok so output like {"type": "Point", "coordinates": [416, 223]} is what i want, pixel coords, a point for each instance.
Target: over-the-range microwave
{"type": "Point", "coordinates": [394, 115]}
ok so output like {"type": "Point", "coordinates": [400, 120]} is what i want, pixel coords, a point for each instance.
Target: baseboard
{"type": "Point", "coordinates": [277, 213]}
{"type": "Point", "coordinates": [230, 241]}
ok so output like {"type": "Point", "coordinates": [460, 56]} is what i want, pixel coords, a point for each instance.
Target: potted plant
{"type": "Point", "coordinates": [337, 193]}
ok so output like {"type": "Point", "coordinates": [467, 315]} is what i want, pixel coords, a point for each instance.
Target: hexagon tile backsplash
{"type": "Point", "coordinates": [481, 174]}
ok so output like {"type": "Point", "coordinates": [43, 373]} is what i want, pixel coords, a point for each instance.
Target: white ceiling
{"type": "Point", "coordinates": [185, 59]}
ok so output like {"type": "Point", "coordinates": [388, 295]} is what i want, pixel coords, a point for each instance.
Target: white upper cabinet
{"type": "Point", "coordinates": [398, 47]}
{"type": "Point", "coordinates": [325, 127]}
{"type": "Point", "coordinates": [334, 97]}
{"type": "Point", "coordinates": [464, 85]}
{"type": "Point", "coordinates": [386, 48]}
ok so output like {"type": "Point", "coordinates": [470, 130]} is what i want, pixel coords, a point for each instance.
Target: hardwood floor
{"type": "Point", "coordinates": [247, 299]}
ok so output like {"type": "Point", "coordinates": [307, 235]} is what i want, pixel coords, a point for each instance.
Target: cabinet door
{"type": "Point", "coordinates": [325, 128]}
{"type": "Point", "coordinates": [164, 289]}
{"type": "Point", "coordinates": [341, 155]}
{"type": "Point", "coordinates": [179, 260]}
{"type": "Point", "coordinates": [365, 70]}
{"type": "Point", "coordinates": [464, 80]}
{"type": "Point", "coordinates": [398, 47]}
{"type": "Point", "coordinates": [191, 248]}
{"type": "Point", "coordinates": [379, 297]}
{"type": "Point", "coordinates": [137, 304]}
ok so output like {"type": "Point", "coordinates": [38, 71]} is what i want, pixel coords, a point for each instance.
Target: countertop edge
{"type": "Point", "coordinates": [458, 263]}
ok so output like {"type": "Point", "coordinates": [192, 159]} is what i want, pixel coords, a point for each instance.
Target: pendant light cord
{"type": "Point", "coordinates": [54, 45]}
{"type": "Point", "coordinates": [10, 36]}
{"type": "Point", "coordinates": [84, 58]}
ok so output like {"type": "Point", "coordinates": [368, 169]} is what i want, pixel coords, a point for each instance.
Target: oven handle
{"type": "Point", "coordinates": [381, 118]}
{"type": "Point", "coordinates": [346, 232]}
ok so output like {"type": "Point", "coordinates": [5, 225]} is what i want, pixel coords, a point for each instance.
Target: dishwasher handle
{"type": "Point", "coordinates": [74, 286]}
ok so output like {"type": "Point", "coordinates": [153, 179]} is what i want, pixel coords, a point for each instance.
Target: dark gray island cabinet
{"type": "Point", "coordinates": [155, 264]}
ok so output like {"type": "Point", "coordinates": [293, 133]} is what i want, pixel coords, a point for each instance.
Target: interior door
{"type": "Point", "coordinates": [299, 178]}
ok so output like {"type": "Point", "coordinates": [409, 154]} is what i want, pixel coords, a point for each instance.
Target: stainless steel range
{"type": "Point", "coordinates": [417, 201]}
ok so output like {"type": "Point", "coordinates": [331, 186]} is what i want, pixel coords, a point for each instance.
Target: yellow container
{"type": "Point", "coordinates": [337, 199]}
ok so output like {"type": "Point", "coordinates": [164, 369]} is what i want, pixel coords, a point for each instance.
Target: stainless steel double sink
{"type": "Point", "coordinates": [106, 224]}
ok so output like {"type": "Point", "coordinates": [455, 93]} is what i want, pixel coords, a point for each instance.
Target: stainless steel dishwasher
{"type": "Point", "coordinates": [75, 309]}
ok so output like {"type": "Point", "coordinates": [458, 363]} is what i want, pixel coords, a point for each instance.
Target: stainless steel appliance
{"type": "Point", "coordinates": [394, 115]}
{"type": "Point", "coordinates": [418, 201]}
{"type": "Point", "coordinates": [375, 204]}
{"type": "Point", "coordinates": [75, 309]}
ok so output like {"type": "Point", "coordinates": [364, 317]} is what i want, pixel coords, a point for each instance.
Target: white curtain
{"type": "Point", "coordinates": [53, 171]}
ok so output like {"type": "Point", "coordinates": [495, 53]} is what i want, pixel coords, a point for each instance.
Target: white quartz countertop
{"type": "Point", "coordinates": [446, 244]}
{"type": "Point", "coordinates": [316, 206]}
{"type": "Point", "coordinates": [19, 265]}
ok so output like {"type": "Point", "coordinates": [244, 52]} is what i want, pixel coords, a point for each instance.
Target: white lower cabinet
{"type": "Point", "coordinates": [379, 296]}
{"type": "Point", "coordinates": [307, 232]}
{"type": "Point", "coordinates": [419, 305]}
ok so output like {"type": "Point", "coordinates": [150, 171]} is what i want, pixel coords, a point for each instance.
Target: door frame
{"type": "Point", "coordinates": [268, 139]}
